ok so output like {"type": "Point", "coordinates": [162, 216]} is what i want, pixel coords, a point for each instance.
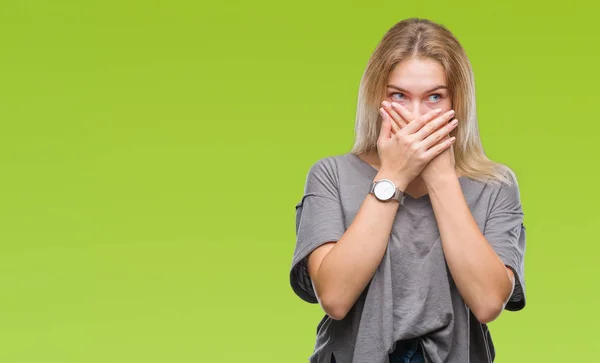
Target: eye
{"type": "Point", "coordinates": [435, 97]}
{"type": "Point", "coordinates": [401, 96]}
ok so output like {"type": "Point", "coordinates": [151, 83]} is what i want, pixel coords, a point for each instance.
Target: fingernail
{"type": "Point", "coordinates": [451, 113]}
{"type": "Point", "coordinates": [454, 122]}
{"type": "Point", "coordinates": [395, 105]}
{"type": "Point", "coordinates": [438, 110]}
{"type": "Point", "coordinates": [386, 104]}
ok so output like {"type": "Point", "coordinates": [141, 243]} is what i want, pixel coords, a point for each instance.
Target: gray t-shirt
{"type": "Point", "coordinates": [412, 293]}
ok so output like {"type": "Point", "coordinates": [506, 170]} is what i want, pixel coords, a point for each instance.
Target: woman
{"type": "Point", "coordinates": [414, 240]}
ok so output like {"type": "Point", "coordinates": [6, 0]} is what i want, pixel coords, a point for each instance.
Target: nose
{"type": "Point", "coordinates": [416, 108]}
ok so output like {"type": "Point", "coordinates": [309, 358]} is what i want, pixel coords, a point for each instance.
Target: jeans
{"type": "Point", "coordinates": [407, 351]}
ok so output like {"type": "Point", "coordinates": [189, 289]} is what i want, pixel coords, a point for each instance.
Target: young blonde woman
{"type": "Point", "coordinates": [414, 240]}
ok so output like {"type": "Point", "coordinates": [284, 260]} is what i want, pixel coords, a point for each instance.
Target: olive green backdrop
{"type": "Point", "coordinates": [152, 153]}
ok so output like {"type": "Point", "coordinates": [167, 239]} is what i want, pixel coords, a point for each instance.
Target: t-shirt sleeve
{"type": "Point", "coordinates": [319, 219]}
{"type": "Point", "coordinates": [505, 231]}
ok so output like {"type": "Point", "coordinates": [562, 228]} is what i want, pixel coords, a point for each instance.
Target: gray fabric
{"type": "Point", "coordinates": [412, 293]}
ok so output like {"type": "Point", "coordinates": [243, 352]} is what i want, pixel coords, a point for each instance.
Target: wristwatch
{"type": "Point", "coordinates": [385, 190]}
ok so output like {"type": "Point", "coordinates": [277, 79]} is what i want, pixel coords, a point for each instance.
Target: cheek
{"type": "Point", "coordinates": [445, 105]}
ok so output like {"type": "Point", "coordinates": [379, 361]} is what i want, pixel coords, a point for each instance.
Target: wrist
{"type": "Point", "coordinates": [399, 180]}
{"type": "Point", "coordinates": [439, 180]}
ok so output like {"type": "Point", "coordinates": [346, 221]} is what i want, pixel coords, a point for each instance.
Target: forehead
{"type": "Point", "coordinates": [416, 74]}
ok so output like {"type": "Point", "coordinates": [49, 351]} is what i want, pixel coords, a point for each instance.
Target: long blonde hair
{"type": "Point", "coordinates": [425, 39]}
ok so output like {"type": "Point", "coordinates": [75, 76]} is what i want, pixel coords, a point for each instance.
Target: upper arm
{"type": "Point", "coordinates": [319, 223]}
{"type": "Point", "coordinates": [315, 259]}
{"type": "Point", "coordinates": [511, 275]}
{"type": "Point", "coordinates": [505, 232]}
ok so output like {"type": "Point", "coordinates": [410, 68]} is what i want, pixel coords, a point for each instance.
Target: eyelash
{"type": "Point", "coordinates": [433, 94]}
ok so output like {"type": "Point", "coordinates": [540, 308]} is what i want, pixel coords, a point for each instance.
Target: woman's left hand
{"type": "Point", "coordinates": [441, 166]}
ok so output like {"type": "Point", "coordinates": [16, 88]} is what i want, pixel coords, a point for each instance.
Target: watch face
{"type": "Point", "coordinates": [384, 189]}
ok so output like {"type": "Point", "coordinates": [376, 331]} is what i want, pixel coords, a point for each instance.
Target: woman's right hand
{"type": "Point", "coordinates": [406, 150]}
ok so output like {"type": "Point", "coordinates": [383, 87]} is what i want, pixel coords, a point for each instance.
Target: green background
{"type": "Point", "coordinates": [152, 153]}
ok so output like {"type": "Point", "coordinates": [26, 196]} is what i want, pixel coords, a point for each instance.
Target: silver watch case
{"type": "Point", "coordinates": [385, 190]}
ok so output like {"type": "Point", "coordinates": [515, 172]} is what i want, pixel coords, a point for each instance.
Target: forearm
{"type": "Point", "coordinates": [350, 264]}
{"type": "Point", "coordinates": [479, 274]}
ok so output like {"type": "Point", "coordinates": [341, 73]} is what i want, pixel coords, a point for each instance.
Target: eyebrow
{"type": "Point", "coordinates": [405, 91]}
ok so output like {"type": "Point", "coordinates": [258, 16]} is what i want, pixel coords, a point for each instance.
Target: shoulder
{"type": "Point", "coordinates": [332, 161]}
{"type": "Point", "coordinates": [323, 177]}
{"type": "Point", "coordinates": [504, 181]}
{"type": "Point", "coordinates": [507, 189]}
{"type": "Point", "coordinates": [486, 194]}
{"type": "Point", "coordinates": [328, 165]}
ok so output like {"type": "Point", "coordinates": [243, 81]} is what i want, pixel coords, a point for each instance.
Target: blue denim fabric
{"type": "Point", "coordinates": [407, 351]}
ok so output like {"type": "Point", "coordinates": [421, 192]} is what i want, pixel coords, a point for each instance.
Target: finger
{"type": "Point", "coordinates": [438, 135]}
{"type": "Point", "coordinates": [393, 114]}
{"type": "Point", "coordinates": [431, 114]}
{"type": "Point", "coordinates": [403, 113]}
{"type": "Point", "coordinates": [394, 126]}
{"type": "Point", "coordinates": [439, 148]}
{"type": "Point", "coordinates": [386, 130]}
{"type": "Point", "coordinates": [398, 121]}
{"type": "Point", "coordinates": [433, 125]}
{"type": "Point", "coordinates": [416, 124]}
